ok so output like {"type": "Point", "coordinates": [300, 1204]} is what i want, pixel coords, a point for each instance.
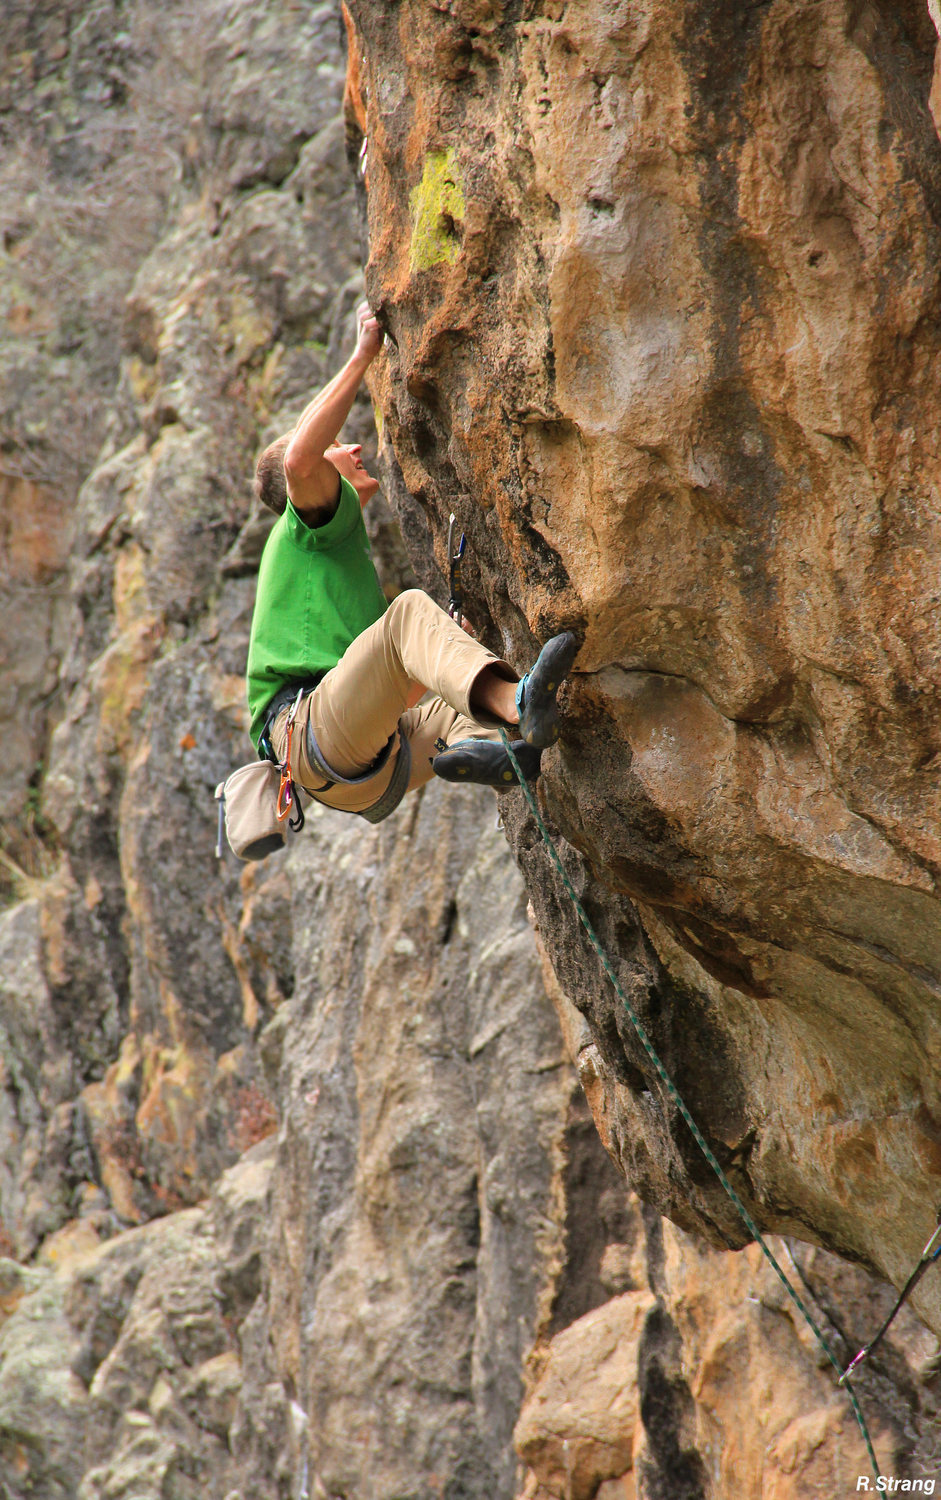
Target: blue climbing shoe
{"type": "Point", "coordinates": [536, 692]}
{"type": "Point", "coordinates": [486, 763]}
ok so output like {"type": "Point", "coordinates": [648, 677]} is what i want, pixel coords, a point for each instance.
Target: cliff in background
{"type": "Point", "coordinates": [299, 1191]}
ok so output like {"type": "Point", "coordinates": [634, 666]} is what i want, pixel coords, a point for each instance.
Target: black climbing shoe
{"type": "Point", "coordinates": [486, 763]}
{"type": "Point", "coordinates": [536, 693]}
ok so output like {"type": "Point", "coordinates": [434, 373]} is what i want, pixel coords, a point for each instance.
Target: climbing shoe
{"type": "Point", "coordinates": [536, 693]}
{"type": "Point", "coordinates": [486, 763]}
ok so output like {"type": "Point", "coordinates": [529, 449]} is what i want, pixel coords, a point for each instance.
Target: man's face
{"type": "Point", "coordinates": [346, 459]}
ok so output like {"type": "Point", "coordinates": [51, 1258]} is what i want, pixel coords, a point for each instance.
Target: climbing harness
{"type": "Point", "coordinates": [929, 1255]}
{"type": "Point", "coordinates": [456, 601]}
{"type": "Point", "coordinates": [670, 1087]}
{"type": "Point", "coordinates": [388, 800]}
{"type": "Point", "coordinates": [256, 800]}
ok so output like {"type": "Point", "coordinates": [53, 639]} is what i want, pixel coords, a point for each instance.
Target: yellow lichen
{"type": "Point", "coordinates": [143, 379]}
{"type": "Point", "coordinates": [130, 587]}
{"type": "Point", "coordinates": [119, 679]}
{"type": "Point", "coordinates": [437, 211]}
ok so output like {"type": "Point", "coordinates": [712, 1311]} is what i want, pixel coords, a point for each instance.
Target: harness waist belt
{"type": "Point", "coordinates": [284, 697]}
{"type": "Point", "coordinates": [398, 784]}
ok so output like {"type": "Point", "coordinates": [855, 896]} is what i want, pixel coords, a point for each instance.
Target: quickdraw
{"type": "Point", "coordinates": [456, 601]}
{"type": "Point", "coordinates": [929, 1255]}
{"type": "Point", "coordinates": [287, 792]}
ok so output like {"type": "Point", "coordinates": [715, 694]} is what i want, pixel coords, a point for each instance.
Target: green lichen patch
{"type": "Point", "coordinates": [437, 210]}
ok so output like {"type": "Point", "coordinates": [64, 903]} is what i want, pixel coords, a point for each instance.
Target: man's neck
{"type": "Point", "coordinates": [319, 515]}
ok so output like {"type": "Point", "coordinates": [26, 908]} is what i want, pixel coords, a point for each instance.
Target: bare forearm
{"type": "Point", "coordinates": [322, 418]}
{"type": "Point", "coordinates": [313, 481]}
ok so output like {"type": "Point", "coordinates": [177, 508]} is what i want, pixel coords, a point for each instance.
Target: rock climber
{"type": "Point", "coordinates": [377, 696]}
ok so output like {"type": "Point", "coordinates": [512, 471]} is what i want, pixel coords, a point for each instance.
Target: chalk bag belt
{"type": "Point", "coordinates": [394, 792]}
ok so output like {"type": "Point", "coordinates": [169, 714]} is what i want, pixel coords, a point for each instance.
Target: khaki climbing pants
{"type": "Point", "coordinates": [355, 709]}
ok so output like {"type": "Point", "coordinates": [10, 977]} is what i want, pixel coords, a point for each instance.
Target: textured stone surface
{"type": "Point", "coordinates": [579, 1424]}
{"type": "Point", "coordinates": [701, 1379]}
{"type": "Point", "coordinates": [673, 364]}
{"type": "Point", "coordinates": [434, 1209]}
{"type": "Point", "coordinates": [141, 975]}
{"type": "Point", "coordinates": [96, 123]}
{"type": "Point", "coordinates": [418, 1208]}
{"type": "Point", "coordinates": [120, 1372]}
{"type": "Point", "coordinates": [240, 309]}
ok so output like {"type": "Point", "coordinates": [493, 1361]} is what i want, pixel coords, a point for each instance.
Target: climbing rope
{"type": "Point", "coordinates": [670, 1087]}
{"type": "Point", "coordinates": [929, 1255]}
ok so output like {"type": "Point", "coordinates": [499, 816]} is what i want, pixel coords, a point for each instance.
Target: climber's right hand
{"type": "Point", "coordinates": [371, 336]}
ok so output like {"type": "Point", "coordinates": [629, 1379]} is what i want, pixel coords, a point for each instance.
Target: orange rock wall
{"type": "Point", "coordinates": [661, 284]}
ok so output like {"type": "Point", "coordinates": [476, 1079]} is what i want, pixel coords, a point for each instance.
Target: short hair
{"type": "Point", "coordinates": [270, 484]}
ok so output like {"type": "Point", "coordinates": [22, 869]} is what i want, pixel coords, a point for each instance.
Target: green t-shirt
{"type": "Point", "coordinates": [317, 591]}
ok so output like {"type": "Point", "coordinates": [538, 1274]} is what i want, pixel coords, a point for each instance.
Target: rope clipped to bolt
{"type": "Point", "coordinates": [670, 1087]}
{"type": "Point", "coordinates": [455, 559]}
{"type": "Point", "coordinates": [929, 1255]}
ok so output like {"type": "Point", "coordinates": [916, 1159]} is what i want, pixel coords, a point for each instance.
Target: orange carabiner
{"type": "Point", "coordinates": [286, 784]}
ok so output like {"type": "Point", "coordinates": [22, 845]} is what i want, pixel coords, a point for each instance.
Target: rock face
{"type": "Point", "coordinates": [644, 1396]}
{"type": "Point", "coordinates": [149, 961]}
{"type": "Point", "coordinates": [427, 1122]}
{"type": "Point", "coordinates": [120, 1372]}
{"type": "Point", "coordinates": [661, 281]}
{"type": "Point", "coordinates": [300, 1194]}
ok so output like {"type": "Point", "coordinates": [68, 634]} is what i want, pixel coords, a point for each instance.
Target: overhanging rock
{"type": "Point", "coordinates": [661, 286]}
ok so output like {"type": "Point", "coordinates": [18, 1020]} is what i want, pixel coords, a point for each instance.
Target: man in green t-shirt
{"type": "Point", "coordinates": [369, 699]}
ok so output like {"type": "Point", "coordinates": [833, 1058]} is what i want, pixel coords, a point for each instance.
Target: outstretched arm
{"type": "Point", "coordinates": [312, 481]}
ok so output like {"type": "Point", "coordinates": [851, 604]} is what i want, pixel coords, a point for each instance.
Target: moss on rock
{"type": "Point", "coordinates": [437, 211]}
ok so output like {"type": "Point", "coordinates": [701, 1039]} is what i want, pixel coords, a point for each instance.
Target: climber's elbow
{"type": "Point", "coordinates": [299, 462]}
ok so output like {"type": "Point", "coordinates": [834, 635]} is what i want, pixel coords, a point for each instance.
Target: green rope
{"type": "Point", "coordinates": [670, 1087]}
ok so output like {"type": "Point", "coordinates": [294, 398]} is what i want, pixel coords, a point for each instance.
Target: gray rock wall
{"type": "Point", "coordinates": [147, 990]}
{"type": "Point", "coordinates": [424, 1095]}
